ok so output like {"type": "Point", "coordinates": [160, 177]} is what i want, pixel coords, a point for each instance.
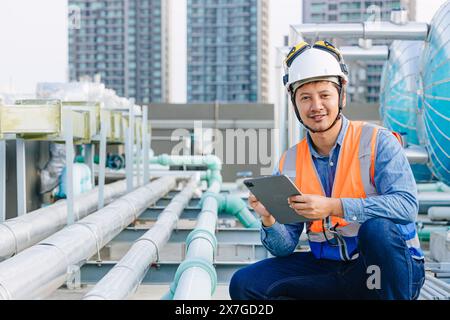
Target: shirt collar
{"type": "Point", "coordinates": [339, 141]}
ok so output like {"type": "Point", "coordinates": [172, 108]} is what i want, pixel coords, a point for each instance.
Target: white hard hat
{"type": "Point", "coordinates": [305, 64]}
{"type": "Point", "coordinates": [319, 62]}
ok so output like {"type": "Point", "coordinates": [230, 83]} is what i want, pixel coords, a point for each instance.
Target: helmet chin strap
{"type": "Point", "coordinates": [341, 91]}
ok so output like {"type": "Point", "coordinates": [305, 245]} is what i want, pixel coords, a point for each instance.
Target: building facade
{"type": "Point", "coordinates": [227, 50]}
{"type": "Point", "coordinates": [365, 77]}
{"type": "Point", "coordinates": [125, 43]}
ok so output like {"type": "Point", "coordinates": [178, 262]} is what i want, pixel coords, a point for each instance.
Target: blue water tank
{"type": "Point", "coordinates": [434, 97]}
{"type": "Point", "coordinates": [399, 98]}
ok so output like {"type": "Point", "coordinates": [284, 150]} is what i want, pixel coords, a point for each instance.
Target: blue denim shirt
{"type": "Point", "coordinates": [394, 181]}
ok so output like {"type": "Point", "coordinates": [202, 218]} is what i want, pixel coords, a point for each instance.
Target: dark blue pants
{"type": "Point", "coordinates": [302, 276]}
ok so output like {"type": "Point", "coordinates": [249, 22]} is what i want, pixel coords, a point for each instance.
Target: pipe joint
{"type": "Point", "coordinates": [202, 234]}
{"type": "Point", "coordinates": [191, 263]}
{"type": "Point", "coordinates": [217, 196]}
{"type": "Point", "coordinates": [237, 207]}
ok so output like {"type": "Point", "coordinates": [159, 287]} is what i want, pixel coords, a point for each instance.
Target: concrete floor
{"type": "Point", "coordinates": [144, 292]}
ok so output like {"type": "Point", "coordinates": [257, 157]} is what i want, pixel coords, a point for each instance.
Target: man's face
{"type": "Point", "coordinates": [318, 104]}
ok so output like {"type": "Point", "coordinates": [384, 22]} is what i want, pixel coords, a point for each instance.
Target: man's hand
{"type": "Point", "coordinates": [266, 218]}
{"type": "Point", "coordinates": [316, 207]}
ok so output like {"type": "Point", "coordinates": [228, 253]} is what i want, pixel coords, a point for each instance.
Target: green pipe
{"type": "Point", "coordinates": [424, 235]}
{"type": "Point", "coordinates": [212, 162]}
{"type": "Point", "coordinates": [213, 175]}
{"type": "Point", "coordinates": [190, 263]}
{"type": "Point", "coordinates": [232, 204]}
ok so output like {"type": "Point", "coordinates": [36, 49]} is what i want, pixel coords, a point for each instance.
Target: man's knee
{"type": "Point", "coordinates": [377, 231]}
{"type": "Point", "coordinates": [246, 283]}
{"type": "Point", "coordinates": [237, 284]}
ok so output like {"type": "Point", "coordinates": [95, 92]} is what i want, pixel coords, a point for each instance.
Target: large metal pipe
{"type": "Point", "coordinates": [416, 155]}
{"type": "Point", "coordinates": [432, 199]}
{"type": "Point", "coordinates": [125, 277]}
{"type": "Point", "coordinates": [366, 30]}
{"type": "Point", "coordinates": [195, 276]}
{"type": "Point", "coordinates": [37, 271]}
{"type": "Point", "coordinates": [436, 186]}
{"type": "Point", "coordinates": [358, 53]}
{"type": "Point", "coordinates": [439, 213]}
{"type": "Point", "coordinates": [22, 232]}
{"type": "Point", "coordinates": [438, 198]}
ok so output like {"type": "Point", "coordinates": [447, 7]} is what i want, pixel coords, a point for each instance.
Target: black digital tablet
{"type": "Point", "coordinates": [273, 192]}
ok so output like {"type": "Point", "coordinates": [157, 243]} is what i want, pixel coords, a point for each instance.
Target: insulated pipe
{"type": "Point", "coordinates": [366, 30]}
{"type": "Point", "coordinates": [432, 199]}
{"type": "Point", "coordinates": [423, 187]}
{"type": "Point", "coordinates": [125, 277]}
{"type": "Point", "coordinates": [196, 277]}
{"type": "Point", "coordinates": [416, 155]}
{"type": "Point", "coordinates": [22, 232]}
{"type": "Point", "coordinates": [438, 198]}
{"type": "Point", "coordinates": [438, 283]}
{"type": "Point", "coordinates": [439, 213]}
{"type": "Point", "coordinates": [357, 53]}
{"type": "Point", "coordinates": [37, 271]}
{"type": "Point", "coordinates": [437, 186]}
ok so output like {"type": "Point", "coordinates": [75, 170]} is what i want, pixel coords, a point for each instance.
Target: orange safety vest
{"type": "Point", "coordinates": [335, 238]}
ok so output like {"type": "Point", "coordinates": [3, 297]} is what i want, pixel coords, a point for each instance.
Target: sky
{"type": "Point", "coordinates": [33, 41]}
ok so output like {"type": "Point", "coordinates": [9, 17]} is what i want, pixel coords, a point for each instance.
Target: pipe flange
{"type": "Point", "coordinates": [190, 263]}
{"type": "Point", "coordinates": [204, 234]}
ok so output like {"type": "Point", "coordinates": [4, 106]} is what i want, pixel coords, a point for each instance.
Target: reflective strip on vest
{"type": "Point", "coordinates": [288, 167]}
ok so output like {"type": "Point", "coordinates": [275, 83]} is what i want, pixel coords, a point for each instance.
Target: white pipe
{"type": "Point", "coordinates": [37, 271]}
{"type": "Point", "coordinates": [416, 154]}
{"type": "Point", "coordinates": [439, 213]}
{"type": "Point", "coordinates": [125, 277]}
{"type": "Point", "coordinates": [389, 30]}
{"type": "Point", "coordinates": [358, 53]}
{"type": "Point", "coordinates": [195, 282]}
{"type": "Point", "coordinates": [366, 30]}
{"type": "Point", "coordinates": [439, 198]}
{"type": "Point", "coordinates": [24, 231]}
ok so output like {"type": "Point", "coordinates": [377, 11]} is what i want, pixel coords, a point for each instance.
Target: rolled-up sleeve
{"type": "Point", "coordinates": [281, 239]}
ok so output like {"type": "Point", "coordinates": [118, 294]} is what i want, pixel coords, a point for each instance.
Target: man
{"type": "Point", "coordinates": [358, 189]}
